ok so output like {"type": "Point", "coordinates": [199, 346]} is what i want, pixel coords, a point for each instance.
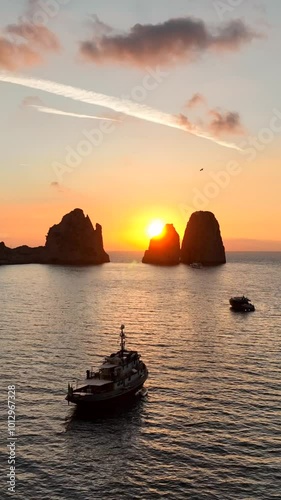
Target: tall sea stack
{"type": "Point", "coordinates": [202, 241]}
{"type": "Point", "coordinates": [75, 241]}
{"type": "Point", "coordinates": [164, 250]}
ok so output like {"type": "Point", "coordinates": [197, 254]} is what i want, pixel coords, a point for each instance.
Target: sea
{"type": "Point", "coordinates": [210, 424]}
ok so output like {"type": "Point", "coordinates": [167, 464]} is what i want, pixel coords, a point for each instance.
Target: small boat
{"type": "Point", "coordinates": [196, 265]}
{"type": "Point", "coordinates": [120, 377]}
{"type": "Point", "coordinates": [242, 304]}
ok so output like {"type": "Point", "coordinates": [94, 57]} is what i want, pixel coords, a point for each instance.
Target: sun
{"type": "Point", "coordinates": [155, 228]}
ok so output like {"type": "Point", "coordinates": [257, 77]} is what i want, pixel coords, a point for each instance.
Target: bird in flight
{"type": "Point", "coordinates": [201, 169]}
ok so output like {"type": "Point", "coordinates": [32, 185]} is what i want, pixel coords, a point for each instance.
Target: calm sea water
{"type": "Point", "coordinates": [210, 425]}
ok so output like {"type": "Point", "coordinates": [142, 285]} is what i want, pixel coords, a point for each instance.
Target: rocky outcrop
{"type": "Point", "coordinates": [202, 240]}
{"type": "Point", "coordinates": [22, 255]}
{"type": "Point", "coordinates": [164, 250]}
{"type": "Point", "coordinates": [73, 241]}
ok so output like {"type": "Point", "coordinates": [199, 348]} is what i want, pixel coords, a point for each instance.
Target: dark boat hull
{"type": "Point", "coordinates": [90, 401]}
{"type": "Point", "coordinates": [246, 307]}
{"type": "Point", "coordinates": [243, 308]}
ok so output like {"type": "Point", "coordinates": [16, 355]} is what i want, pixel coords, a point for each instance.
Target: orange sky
{"type": "Point", "coordinates": [207, 106]}
{"type": "Point", "coordinates": [29, 225]}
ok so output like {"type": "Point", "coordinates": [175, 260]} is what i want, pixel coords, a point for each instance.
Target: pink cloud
{"type": "Point", "coordinates": [24, 43]}
{"type": "Point", "coordinates": [196, 100]}
{"type": "Point", "coordinates": [222, 122]}
{"type": "Point", "coordinates": [227, 123]}
{"type": "Point", "coordinates": [14, 56]}
{"type": "Point", "coordinates": [40, 36]}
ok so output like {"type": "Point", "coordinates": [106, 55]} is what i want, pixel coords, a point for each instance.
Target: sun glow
{"type": "Point", "coordinates": [155, 228]}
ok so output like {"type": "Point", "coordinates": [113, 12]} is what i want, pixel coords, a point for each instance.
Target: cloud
{"type": "Point", "coordinates": [196, 100]}
{"type": "Point", "coordinates": [185, 122]}
{"type": "Point", "coordinates": [233, 35]}
{"type": "Point", "coordinates": [99, 28]}
{"type": "Point", "coordinates": [56, 186]}
{"type": "Point", "coordinates": [54, 111]}
{"type": "Point", "coordinates": [14, 55]}
{"type": "Point", "coordinates": [124, 106]}
{"type": "Point", "coordinates": [225, 123]}
{"type": "Point", "coordinates": [182, 39]}
{"type": "Point", "coordinates": [39, 36]}
{"type": "Point", "coordinates": [210, 132]}
{"type": "Point", "coordinates": [222, 122]}
{"type": "Point", "coordinates": [24, 43]}
{"type": "Point", "coordinates": [38, 104]}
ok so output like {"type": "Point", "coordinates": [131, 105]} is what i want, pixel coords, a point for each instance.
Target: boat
{"type": "Point", "coordinates": [196, 265]}
{"type": "Point", "coordinates": [242, 304]}
{"type": "Point", "coordinates": [120, 377]}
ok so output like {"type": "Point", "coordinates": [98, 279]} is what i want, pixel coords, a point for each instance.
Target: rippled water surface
{"type": "Point", "coordinates": [210, 425]}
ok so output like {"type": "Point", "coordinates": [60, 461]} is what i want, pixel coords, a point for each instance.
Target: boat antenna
{"type": "Point", "coordinates": [122, 337]}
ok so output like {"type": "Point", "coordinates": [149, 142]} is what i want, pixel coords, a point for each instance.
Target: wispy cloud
{"type": "Point", "coordinates": [36, 103]}
{"type": "Point", "coordinates": [56, 186]}
{"type": "Point", "coordinates": [196, 100]}
{"type": "Point", "coordinates": [24, 43]}
{"type": "Point", "coordinates": [38, 36]}
{"type": "Point", "coordinates": [55, 111]}
{"type": "Point", "coordinates": [14, 55]}
{"type": "Point", "coordinates": [181, 39]}
{"type": "Point", "coordinates": [222, 122]}
{"type": "Point", "coordinates": [227, 122]}
{"type": "Point", "coordinates": [99, 27]}
{"type": "Point", "coordinates": [114, 103]}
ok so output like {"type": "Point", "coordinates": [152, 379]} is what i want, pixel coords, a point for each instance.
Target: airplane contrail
{"type": "Point", "coordinates": [125, 106]}
{"type": "Point", "coordinates": [55, 111]}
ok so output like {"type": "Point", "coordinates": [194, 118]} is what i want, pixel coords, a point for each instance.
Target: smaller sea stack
{"type": "Point", "coordinates": [164, 250]}
{"type": "Point", "coordinates": [202, 241]}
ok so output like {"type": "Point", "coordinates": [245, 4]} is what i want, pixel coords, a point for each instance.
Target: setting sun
{"type": "Point", "coordinates": [155, 228]}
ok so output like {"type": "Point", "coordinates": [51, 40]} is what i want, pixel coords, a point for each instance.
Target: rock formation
{"type": "Point", "coordinates": [73, 241]}
{"type": "Point", "coordinates": [164, 250]}
{"type": "Point", "coordinates": [21, 255]}
{"type": "Point", "coordinates": [202, 240]}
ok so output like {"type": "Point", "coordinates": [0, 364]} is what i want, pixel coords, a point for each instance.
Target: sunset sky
{"type": "Point", "coordinates": [116, 107]}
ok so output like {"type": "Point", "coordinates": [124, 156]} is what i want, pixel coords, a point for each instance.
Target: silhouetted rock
{"type": "Point", "coordinates": [202, 240]}
{"type": "Point", "coordinates": [22, 255]}
{"type": "Point", "coordinates": [73, 241]}
{"type": "Point", "coordinates": [165, 249]}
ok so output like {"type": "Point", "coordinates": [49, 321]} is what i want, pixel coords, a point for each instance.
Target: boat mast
{"type": "Point", "coordinates": [122, 337]}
